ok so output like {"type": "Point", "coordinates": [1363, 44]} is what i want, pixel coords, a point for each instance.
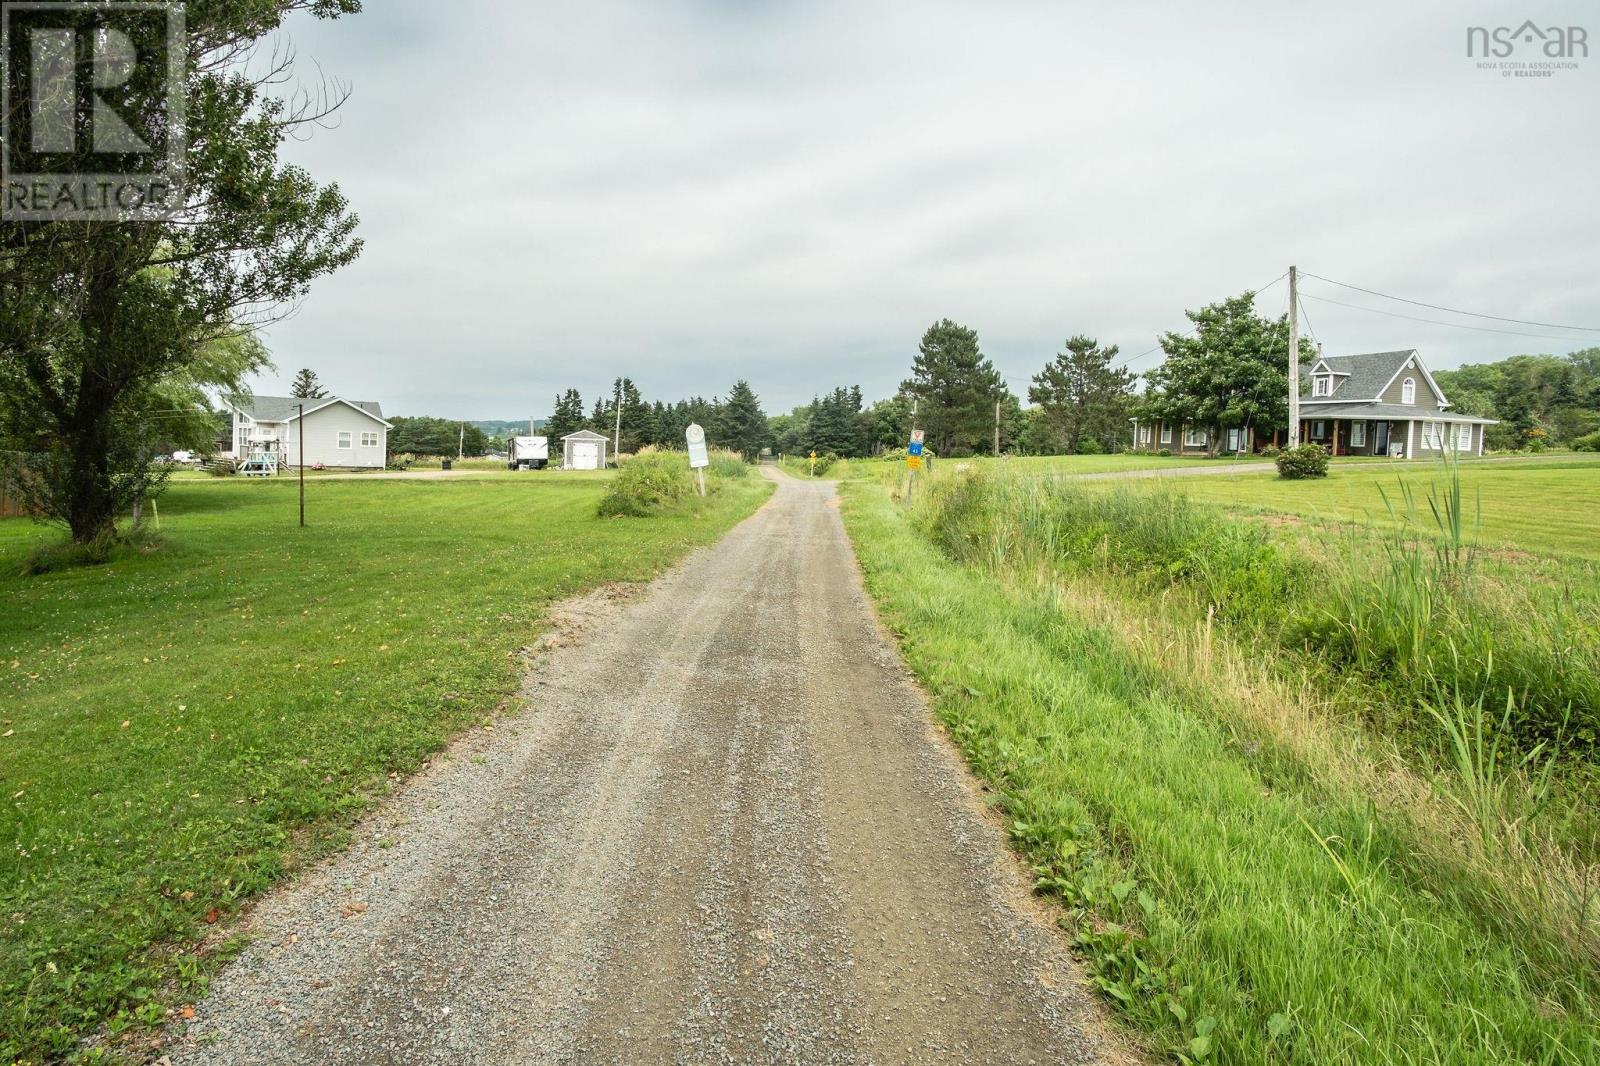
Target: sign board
{"type": "Point", "coordinates": [914, 462]}
{"type": "Point", "coordinates": [696, 438]}
{"type": "Point", "coordinates": [915, 448]}
{"type": "Point", "coordinates": [916, 436]}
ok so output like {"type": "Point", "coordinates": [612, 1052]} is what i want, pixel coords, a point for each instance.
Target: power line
{"type": "Point", "coordinates": [1436, 322]}
{"type": "Point", "coordinates": [1129, 360]}
{"type": "Point", "coordinates": [1453, 310]}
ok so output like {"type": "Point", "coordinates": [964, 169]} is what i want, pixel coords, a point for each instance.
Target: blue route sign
{"type": "Point", "coordinates": [915, 448]}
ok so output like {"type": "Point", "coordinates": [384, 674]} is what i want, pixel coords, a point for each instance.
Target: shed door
{"type": "Point", "coordinates": [586, 455]}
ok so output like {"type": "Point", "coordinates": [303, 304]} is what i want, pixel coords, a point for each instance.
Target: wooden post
{"type": "Point", "coordinates": [1294, 357]}
{"type": "Point", "coordinates": [1335, 436]}
{"type": "Point", "coordinates": [701, 473]}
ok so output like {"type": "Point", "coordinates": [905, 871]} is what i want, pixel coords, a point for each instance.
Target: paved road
{"type": "Point", "coordinates": [726, 832]}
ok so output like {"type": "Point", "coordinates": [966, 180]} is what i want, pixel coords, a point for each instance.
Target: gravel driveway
{"type": "Point", "coordinates": [724, 832]}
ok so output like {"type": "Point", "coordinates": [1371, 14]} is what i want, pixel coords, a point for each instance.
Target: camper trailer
{"type": "Point", "coordinates": [528, 453]}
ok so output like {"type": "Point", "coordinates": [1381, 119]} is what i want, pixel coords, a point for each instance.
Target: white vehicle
{"type": "Point", "coordinates": [528, 453]}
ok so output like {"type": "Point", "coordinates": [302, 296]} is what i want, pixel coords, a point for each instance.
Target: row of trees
{"type": "Point", "coordinates": [737, 423]}
{"type": "Point", "coordinates": [1538, 398]}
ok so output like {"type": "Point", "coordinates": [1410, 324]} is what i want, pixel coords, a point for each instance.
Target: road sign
{"type": "Point", "coordinates": [915, 448]}
{"type": "Point", "coordinates": [697, 446]}
{"type": "Point", "coordinates": [914, 462]}
{"type": "Point", "coordinates": [916, 436]}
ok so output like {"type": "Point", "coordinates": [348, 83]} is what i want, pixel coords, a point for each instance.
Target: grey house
{"type": "Point", "coordinates": [343, 433]}
{"type": "Point", "coordinates": [1378, 403]}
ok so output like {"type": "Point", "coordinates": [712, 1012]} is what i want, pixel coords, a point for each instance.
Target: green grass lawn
{"type": "Point", "coordinates": [1549, 506]}
{"type": "Point", "coordinates": [181, 727]}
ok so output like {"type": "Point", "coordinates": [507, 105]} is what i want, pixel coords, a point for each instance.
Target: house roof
{"type": "Point", "coordinates": [586, 434]}
{"type": "Point", "coordinates": [1360, 377]}
{"type": "Point", "coordinates": [1391, 411]}
{"type": "Point", "coordinates": [287, 408]}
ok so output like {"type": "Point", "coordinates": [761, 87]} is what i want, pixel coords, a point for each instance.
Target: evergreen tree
{"type": "Point", "coordinates": [566, 418]}
{"type": "Point", "coordinates": [306, 386]}
{"type": "Point", "coordinates": [1082, 394]}
{"type": "Point", "coordinates": [742, 423]}
{"type": "Point", "coordinates": [955, 387]}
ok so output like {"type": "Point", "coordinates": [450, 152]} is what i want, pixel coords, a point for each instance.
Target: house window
{"type": "Point", "coordinates": [344, 439]}
{"type": "Point", "coordinates": [1194, 438]}
{"type": "Point", "coordinates": [1322, 385]}
{"type": "Point", "coordinates": [1358, 435]}
{"type": "Point", "coordinates": [1433, 436]}
{"type": "Point", "coordinates": [369, 440]}
{"type": "Point", "coordinates": [1319, 430]}
{"type": "Point", "coordinates": [1166, 433]}
{"type": "Point", "coordinates": [1233, 440]}
{"type": "Point", "coordinates": [1408, 391]}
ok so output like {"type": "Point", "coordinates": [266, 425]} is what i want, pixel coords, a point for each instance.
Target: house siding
{"type": "Point", "coordinates": [322, 428]}
{"type": "Point", "coordinates": [1395, 393]}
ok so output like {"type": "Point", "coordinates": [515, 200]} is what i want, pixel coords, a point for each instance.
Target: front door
{"type": "Point", "coordinates": [1380, 439]}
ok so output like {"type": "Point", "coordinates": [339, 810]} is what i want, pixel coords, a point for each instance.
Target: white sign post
{"type": "Point", "coordinates": [698, 459]}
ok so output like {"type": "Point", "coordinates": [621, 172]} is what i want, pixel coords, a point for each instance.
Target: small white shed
{"type": "Point", "coordinates": [583, 450]}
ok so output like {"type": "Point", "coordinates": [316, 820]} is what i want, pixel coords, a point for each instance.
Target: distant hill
{"type": "Point", "coordinates": [506, 429]}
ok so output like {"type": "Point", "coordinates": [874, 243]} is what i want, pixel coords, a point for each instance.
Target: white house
{"type": "Point", "coordinates": [338, 432]}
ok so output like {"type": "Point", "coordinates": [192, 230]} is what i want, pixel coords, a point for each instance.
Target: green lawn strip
{"type": "Point", "coordinates": [186, 724]}
{"type": "Point", "coordinates": [1544, 506]}
{"type": "Point", "coordinates": [1211, 884]}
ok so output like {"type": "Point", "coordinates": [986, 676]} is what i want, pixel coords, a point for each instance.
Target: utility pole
{"type": "Point", "coordinates": [1294, 358]}
{"type": "Point", "coordinates": [461, 443]}
{"type": "Point", "coordinates": [997, 428]}
{"type": "Point", "coordinates": [300, 431]}
{"type": "Point", "coordinates": [616, 442]}
{"type": "Point", "coordinates": [911, 475]}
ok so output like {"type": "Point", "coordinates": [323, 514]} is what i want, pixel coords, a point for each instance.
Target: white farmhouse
{"type": "Point", "coordinates": [338, 432]}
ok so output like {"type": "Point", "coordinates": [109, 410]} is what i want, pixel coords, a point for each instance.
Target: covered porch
{"type": "Point", "coordinates": [1415, 435]}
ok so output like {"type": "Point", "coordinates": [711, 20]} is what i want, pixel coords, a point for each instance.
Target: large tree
{"type": "Point", "coordinates": [1082, 394]}
{"type": "Point", "coordinates": [955, 387]}
{"type": "Point", "coordinates": [1230, 372]}
{"type": "Point", "coordinates": [743, 425]}
{"type": "Point", "coordinates": [97, 318]}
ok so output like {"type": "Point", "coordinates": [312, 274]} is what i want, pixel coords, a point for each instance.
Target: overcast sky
{"type": "Point", "coordinates": [694, 192]}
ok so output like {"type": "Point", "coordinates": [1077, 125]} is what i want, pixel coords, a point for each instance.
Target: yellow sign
{"type": "Point", "coordinates": [914, 462]}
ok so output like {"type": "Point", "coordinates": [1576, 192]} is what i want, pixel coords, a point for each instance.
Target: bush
{"type": "Point", "coordinates": [1306, 461]}
{"type": "Point", "coordinates": [1271, 451]}
{"type": "Point", "coordinates": [645, 484]}
{"type": "Point", "coordinates": [1165, 453]}
{"type": "Point", "coordinates": [1589, 443]}
{"type": "Point", "coordinates": [1090, 446]}
{"type": "Point", "coordinates": [66, 554]}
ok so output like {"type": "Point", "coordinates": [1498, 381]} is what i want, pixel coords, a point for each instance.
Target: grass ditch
{"type": "Point", "coordinates": [1251, 875]}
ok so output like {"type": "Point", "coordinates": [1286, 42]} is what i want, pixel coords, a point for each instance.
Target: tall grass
{"type": "Point", "coordinates": [1238, 903]}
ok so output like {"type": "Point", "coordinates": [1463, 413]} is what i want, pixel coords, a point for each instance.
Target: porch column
{"type": "Point", "coordinates": [1335, 436]}
{"type": "Point", "coordinates": [1411, 440]}
{"type": "Point", "coordinates": [1481, 430]}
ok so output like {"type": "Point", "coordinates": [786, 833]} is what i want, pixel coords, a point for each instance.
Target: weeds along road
{"type": "Point", "coordinates": [725, 832]}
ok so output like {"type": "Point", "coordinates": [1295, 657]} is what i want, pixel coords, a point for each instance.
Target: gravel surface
{"type": "Point", "coordinates": [725, 831]}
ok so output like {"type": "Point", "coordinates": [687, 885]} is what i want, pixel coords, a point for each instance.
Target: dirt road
{"type": "Point", "coordinates": [725, 832]}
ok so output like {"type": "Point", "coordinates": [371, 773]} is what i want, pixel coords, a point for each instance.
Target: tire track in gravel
{"type": "Point", "coordinates": [726, 831]}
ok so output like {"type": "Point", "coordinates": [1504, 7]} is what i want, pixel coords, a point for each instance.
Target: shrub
{"type": "Point", "coordinates": [1165, 453]}
{"type": "Point", "coordinates": [1308, 460]}
{"type": "Point", "coordinates": [645, 484]}
{"type": "Point", "coordinates": [1090, 446]}
{"type": "Point", "coordinates": [1271, 451]}
{"type": "Point", "coordinates": [1589, 443]}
